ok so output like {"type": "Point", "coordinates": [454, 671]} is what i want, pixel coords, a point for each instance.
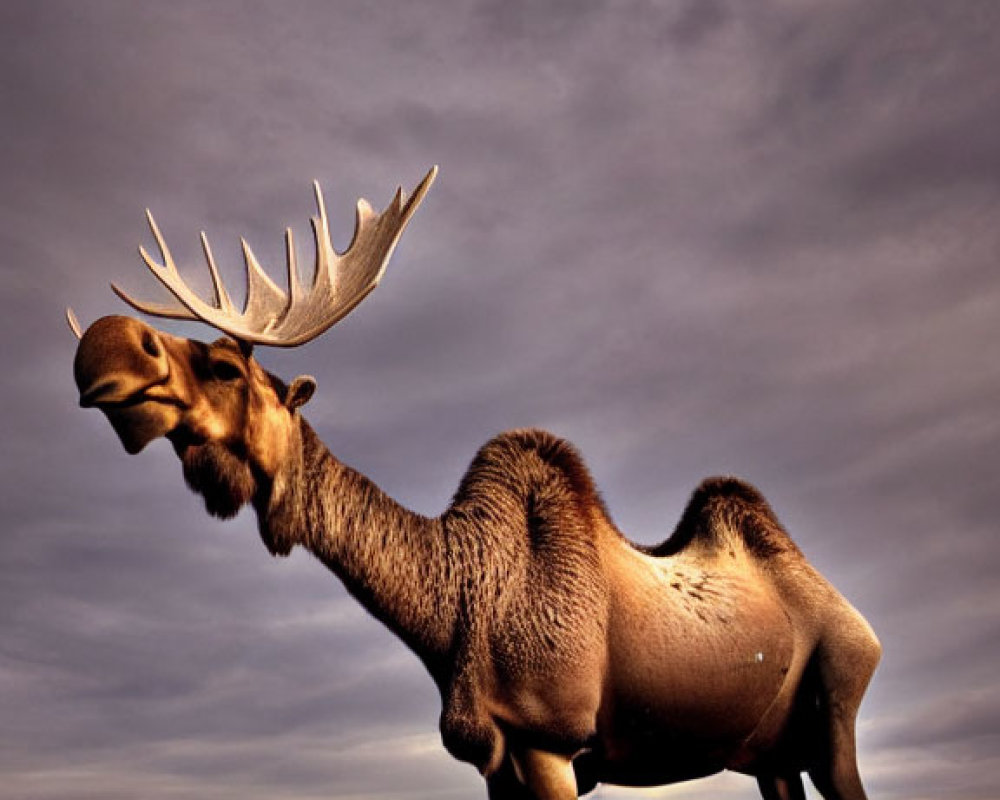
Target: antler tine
{"type": "Point", "coordinates": [168, 259]}
{"type": "Point", "coordinates": [166, 273]}
{"type": "Point", "coordinates": [270, 315]}
{"type": "Point", "coordinates": [291, 261]}
{"type": "Point", "coordinates": [74, 323]}
{"type": "Point", "coordinates": [222, 299]}
{"type": "Point", "coordinates": [266, 302]}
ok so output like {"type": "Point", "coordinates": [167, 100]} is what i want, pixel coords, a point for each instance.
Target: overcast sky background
{"type": "Point", "coordinates": [692, 237]}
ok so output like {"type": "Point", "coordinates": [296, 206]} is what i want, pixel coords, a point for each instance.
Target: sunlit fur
{"type": "Point", "coordinates": [565, 656]}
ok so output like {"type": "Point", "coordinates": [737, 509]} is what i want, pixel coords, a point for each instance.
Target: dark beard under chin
{"type": "Point", "coordinates": [222, 478]}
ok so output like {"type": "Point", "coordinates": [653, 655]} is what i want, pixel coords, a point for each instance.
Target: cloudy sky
{"type": "Point", "coordinates": [692, 237]}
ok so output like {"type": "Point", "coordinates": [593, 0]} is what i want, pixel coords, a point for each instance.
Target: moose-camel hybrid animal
{"type": "Point", "coordinates": [565, 655]}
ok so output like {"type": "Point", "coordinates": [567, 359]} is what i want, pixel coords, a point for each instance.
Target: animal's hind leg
{"type": "Point", "coordinates": [836, 772]}
{"type": "Point", "coordinates": [781, 787]}
{"type": "Point", "coordinates": [845, 660]}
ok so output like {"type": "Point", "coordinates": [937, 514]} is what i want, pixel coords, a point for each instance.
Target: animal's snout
{"type": "Point", "coordinates": [123, 367]}
{"type": "Point", "coordinates": [117, 358]}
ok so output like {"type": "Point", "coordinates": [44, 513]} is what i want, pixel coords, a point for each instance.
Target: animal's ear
{"type": "Point", "coordinates": [300, 391]}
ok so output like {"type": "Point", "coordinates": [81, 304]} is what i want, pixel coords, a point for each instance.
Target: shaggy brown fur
{"type": "Point", "coordinates": [221, 477]}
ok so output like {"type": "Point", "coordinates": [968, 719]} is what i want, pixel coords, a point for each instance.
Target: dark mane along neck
{"type": "Point", "coordinates": [392, 560]}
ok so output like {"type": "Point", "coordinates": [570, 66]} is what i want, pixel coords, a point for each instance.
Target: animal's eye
{"type": "Point", "coordinates": [225, 371]}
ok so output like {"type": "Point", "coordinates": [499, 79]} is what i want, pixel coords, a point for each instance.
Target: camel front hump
{"type": "Point", "coordinates": [698, 653]}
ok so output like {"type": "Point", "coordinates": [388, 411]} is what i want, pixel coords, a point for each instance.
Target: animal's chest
{"type": "Point", "coordinates": [501, 695]}
{"type": "Point", "coordinates": [546, 662]}
{"type": "Point", "coordinates": [534, 664]}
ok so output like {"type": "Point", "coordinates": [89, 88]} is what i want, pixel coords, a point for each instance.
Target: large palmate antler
{"type": "Point", "coordinates": [270, 315]}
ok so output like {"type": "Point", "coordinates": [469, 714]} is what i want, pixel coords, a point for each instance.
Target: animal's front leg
{"type": "Point", "coordinates": [783, 787]}
{"type": "Point", "coordinates": [504, 784]}
{"type": "Point", "coordinates": [547, 776]}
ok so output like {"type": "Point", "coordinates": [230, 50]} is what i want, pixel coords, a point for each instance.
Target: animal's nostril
{"type": "Point", "coordinates": [150, 344]}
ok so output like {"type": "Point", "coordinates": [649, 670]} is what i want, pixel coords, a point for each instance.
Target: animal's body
{"type": "Point", "coordinates": [564, 654]}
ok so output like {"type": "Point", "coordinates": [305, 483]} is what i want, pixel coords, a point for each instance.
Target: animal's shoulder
{"type": "Point", "coordinates": [722, 508]}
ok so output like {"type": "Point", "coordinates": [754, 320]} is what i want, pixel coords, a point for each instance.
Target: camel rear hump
{"type": "Point", "coordinates": [724, 511]}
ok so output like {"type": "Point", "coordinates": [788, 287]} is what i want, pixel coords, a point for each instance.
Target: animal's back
{"type": "Point", "coordinates": [723, 511]}
{"type": "Point", "coordinates": [536, 484]}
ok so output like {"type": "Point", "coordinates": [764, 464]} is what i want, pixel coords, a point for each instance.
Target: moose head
{"type": "Point", "coordinates": [230, 421]}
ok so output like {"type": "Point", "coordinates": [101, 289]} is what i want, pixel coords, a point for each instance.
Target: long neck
{"type": "Point", "coordinates": [394, 561]}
